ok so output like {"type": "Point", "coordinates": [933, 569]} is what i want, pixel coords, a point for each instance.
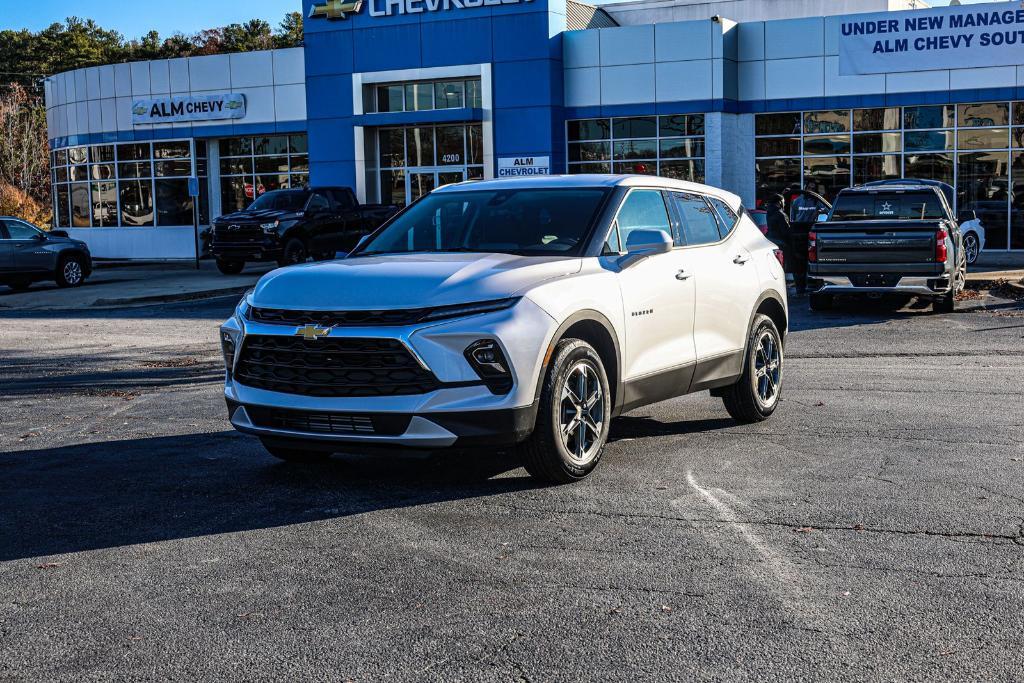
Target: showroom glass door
{"type": "Point", "coordinates": [418, 159]}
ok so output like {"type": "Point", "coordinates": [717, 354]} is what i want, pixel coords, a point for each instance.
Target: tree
{"type": "Point", "coordinates": [254, 34]}
{"type": "Point", "coordinates": [289, 31]}
{"type": "Point", "coordinates": [24, 152]}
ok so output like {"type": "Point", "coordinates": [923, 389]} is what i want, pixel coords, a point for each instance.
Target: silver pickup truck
{"type": "Point", "coordinates": [891, 239]}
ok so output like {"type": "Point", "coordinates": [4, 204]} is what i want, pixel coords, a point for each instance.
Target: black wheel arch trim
{"type": "Point", "coordinates": [765, 296]}
{"type": "Point", "coordinates": [586, 315]}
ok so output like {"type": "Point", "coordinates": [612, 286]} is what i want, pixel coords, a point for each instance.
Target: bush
{"type": "Point", "coordinates": [17, 203]}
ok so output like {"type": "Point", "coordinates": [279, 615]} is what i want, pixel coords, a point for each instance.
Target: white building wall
{"type": "Point", "coordinates": [661, 11]}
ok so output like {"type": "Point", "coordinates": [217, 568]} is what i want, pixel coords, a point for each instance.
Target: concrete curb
{"type": "Point", "coordinates": [171, 298]}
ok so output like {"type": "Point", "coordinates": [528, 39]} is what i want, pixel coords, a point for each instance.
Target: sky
{"type": "Point", "coordinates": [134, 19]}
{"type": "Point", "coordinates": [138, 17]}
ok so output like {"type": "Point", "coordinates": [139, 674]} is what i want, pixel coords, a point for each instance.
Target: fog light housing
{"type": "Point", "coordinates": [487, 360]}
{"type": "Point", "coordinates": [227, 345]}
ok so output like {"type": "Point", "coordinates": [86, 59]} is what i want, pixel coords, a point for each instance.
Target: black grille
{"type": "Point", "coordinates": [881, 280]}
{"type": "Point", "coordinates": [332, 367]}
{"type": "Point", "coordinates": [237, 234]}
{"type": "Point", "coordinates": [276, 316]}
{"type": "Point", "coordinates": [328, 423]}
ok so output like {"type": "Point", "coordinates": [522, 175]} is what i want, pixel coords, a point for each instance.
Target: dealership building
{"type": "Point", "coordinates": [397, 97]}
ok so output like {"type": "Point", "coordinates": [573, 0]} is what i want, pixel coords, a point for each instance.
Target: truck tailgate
{"type": "Point", "coordinates": [871, 242]}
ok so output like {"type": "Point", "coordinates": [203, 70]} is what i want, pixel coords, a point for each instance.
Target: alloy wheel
{"type": "Point", "coordinates": [581, 421]}
{"type": "Point", "coordinates": [971, 248]}
{"type": "Point", "coordinates": [767, 369]}
{"type": "Point", "coordinates": [72, 272]}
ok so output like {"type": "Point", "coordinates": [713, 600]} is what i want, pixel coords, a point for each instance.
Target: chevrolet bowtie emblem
{"type": "Point", "coordinates": [335, 9]}
{"type": "Point", "coordinates": [312, 332]}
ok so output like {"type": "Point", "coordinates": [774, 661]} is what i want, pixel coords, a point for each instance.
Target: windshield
{"type": "Point", "coordinates": [280, 200]}
{"type": "Point", "coordinates": [533, 221]}
{"type": "Point", "coordinates": [869, 206]}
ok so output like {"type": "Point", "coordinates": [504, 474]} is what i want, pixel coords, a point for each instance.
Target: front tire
{"type": "Point", "coordinates": [230, 266]}
{"type": "Point", "coordinates": [294, 252]}
{"type": "Point", "coordinates": [70, 272]}
{"type": "Point", "coordinates": [295, 455]}
{"type": "Point", "coordinates": [573, 417]}
{"type": "Point", "coordinates": [756, 395]}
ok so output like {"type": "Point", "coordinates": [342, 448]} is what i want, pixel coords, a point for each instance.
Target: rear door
{"type": "Point", "coordinates": [724, 276]}
{"type": "Point", "coordinates": [657, 298]}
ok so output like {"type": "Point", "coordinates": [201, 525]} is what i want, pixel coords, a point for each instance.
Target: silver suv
{"type": "Point", "coordinates": [520, 313]}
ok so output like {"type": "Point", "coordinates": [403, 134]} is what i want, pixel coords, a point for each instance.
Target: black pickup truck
{"type": "Point", "coordinates": [888, 239]}
{"type": "Point", "coordinates": [289, 226]}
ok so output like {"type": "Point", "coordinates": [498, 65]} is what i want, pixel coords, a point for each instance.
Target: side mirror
{"type": "Point", "coordinates": [967, 215]}
{"type": "Point", "coordinates": [40, 237]}
{"type": "Point", "coordinates": [642, 243]}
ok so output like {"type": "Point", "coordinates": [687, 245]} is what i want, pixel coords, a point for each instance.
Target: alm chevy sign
{"type": "Point", "coordinates": [188, 108]}
{"type": "Point", "coordinates": [510, 167]}
{"type": "Point", "coordinates": [340, 9]}
{"type": "Point", "coordinates": [941, 38]}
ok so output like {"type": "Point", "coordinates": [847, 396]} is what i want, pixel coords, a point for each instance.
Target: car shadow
{"type": "Point", "coordinates": [854, 311]}
{"type": "Point", "coordinates": [111, 494]}
{"type": "Point", "coordinates": [639, 427]}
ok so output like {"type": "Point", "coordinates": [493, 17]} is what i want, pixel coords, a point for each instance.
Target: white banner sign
{"type": "Point", "coordinates": [941, 38]}
{"type": "Point", "coordinates": [509, 167]}
{"type": "Point", "coordinates": [188, 108]}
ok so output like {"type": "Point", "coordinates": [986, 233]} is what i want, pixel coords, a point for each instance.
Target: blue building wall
{"type": "Point", "coordinates": [522, 42]}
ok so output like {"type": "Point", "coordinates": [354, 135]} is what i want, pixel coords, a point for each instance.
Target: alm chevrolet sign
{"type": "Point", "coordinates": [340, 9]}
{"type": "Point", "coordinates": [188, 108]}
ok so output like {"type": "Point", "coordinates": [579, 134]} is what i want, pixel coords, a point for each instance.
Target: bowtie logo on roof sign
{"type": "Point", "coordinates": [335, 9]}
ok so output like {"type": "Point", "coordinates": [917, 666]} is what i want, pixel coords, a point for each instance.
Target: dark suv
{"type": "Point", "coordinates": [28, 254]}
{"type": "Point", "coordinates": [289, 226]}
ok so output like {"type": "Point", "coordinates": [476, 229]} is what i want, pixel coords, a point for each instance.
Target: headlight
{"type": "Point", "coordinates": [270, 227]}
{"type": "Point", "coordinates": [242, 309]}
{"type": "Point", "coordinates": [227, 345]}
{"type": "Point", "coordinates": [459, 310]}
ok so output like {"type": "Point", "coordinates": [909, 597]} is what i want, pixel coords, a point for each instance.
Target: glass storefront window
{"type": "Point", "coordinates": [419, 97]}
{"type": "Point", "coordinates": [635, 127]}
{"type": "Point", "coordinates": [104, 204]}
{"type": "Point", "coordinates": [827, 144]}
{"type": "Point", "coordinates": [827, 122]}
{"type": "Point", "coordinates": [419, 146]}
{"type": "Point", "coordinates": [874, 143]}
{"type": "Point", "coordinates": [939, 116]}
{"type": "Point", "coordinates": [448, 94]}
{"type": "Point", "coordinates": [929, 167]}
{"type": "Point", "coordinates": [869, 168]}
{"type": "Point", "coordinates": [589, 129]}
{"type": "Point", "coordinates": [1017, 200]}
{"type": "Point", "coordinates": [671, 145]}
{"type": "Point", "coordinates": [474, 96]}
{"type": "Point", "coordinates": [887, 118]}
{"type": "Point", "coordinates": [982, 138]}
{"type": "Point", "coordinates": [391, 142]}
{"type": "Point", "coordinates": [826, 175]}
{"type": "Point", "coordinates": [978, 115]}
{"type": "Point", "coordinates": [635, 149]}
{"type": "Point", "coordinates": [136, 202]}
{"type": "Point", "coordinates": [272, 145]}
{"type": "Point", "coordinates": [929, 141]}
{"type": "Point", "coordinates": [271, 164]}
{"type": "Point", "coordinates": [80, 204]}
{"type": "Point", "coordinates": [777, 147]}
{"type": "Point", "coordinates": [249, 168]}
{"type": "Point", "coordinates": [983, 185]}
{"type": "Point", "coordinates": [63, 195]}
{"type": "Point", "coordinates": [390, 98]}
{"type": "Point", "coordinates": [777, 124]}
{"type": "Point", "coordinates": [451, 145]}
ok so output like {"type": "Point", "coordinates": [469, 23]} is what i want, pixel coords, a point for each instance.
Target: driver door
{"type": "Point", "coordinates": [28, 248]}
{"type": "Point", "coordinates": [657, 299]}
{"type": "Point", "coordinates": [6, 249]}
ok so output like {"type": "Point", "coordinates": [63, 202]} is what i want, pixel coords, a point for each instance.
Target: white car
{"type": "Point", "coordinates": [518, 312]}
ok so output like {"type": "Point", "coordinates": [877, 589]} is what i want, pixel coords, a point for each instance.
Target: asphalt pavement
{"type": "Point", "coordinates": [872, 530]}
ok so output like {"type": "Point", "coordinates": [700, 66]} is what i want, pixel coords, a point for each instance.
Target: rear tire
{"type": "Point", "coordinates": [573, 417]}
{"type": "Point", "coordinates": [296, 455]}
{"type": "Point", "coordinates": [70, 271]}
{"type": "Point", "coordinates": [294, 252]}
{"type": "Point", "coordinates": [230, 266]}
{"type": "Point", "coordinates": [945, 304]}
{"type": "Point", "coordinates": [820, 301]}
{"type": "Point", "coordinates": [756, 395]}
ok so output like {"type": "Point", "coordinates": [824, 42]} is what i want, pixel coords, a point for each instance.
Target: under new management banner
{"type": "Point", "coordinates": [941, 38]}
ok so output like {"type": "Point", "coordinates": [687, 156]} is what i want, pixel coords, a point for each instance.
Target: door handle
{"type": "Point", "coordinates": [740, 259]}
{"type": "Point", "coordinates": [682, 275]}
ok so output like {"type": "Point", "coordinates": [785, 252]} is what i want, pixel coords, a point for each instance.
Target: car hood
{"type": "Point", "coordinates": [257, 216]}
{"type": "Point", "coordinates": [406, 281]}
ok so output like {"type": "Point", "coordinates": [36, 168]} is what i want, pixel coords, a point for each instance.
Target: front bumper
{"type": "Point", "coordinates": [463, 412]}
{"type": "Point", "coordinates": [359, 431]}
